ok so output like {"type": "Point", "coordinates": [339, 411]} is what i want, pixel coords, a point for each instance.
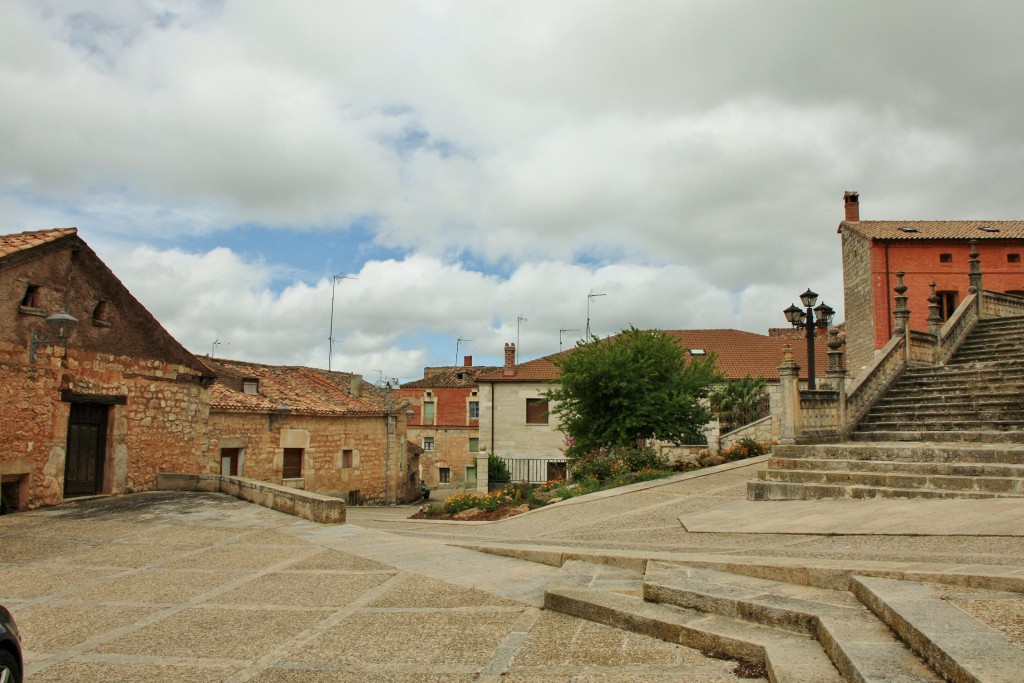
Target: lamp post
{"type": "Point", "coordinates": [60, 325]}
{"type": "Point", "coordinates": [811, 319]}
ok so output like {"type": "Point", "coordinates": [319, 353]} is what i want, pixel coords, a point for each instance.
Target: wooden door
{"type": "Point", "coordinates": [87, 431]}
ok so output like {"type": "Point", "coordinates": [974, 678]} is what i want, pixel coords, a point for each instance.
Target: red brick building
{"type": "Point", "coordinates": [446, 423]}
{"type": "Point", "coordinates": [313, 429]}
{"type": "Point", "coordinates": [102, 410]}
{"type": "Point", "coordinates": [927, 251]}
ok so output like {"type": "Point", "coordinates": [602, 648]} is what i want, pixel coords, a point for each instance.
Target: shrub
{"type": "Point", "coordinates": [604, 465]}
{"type": "Point", "coordinates": [497, 470]}
{"type": "Point", "coordinates": [746, 447]}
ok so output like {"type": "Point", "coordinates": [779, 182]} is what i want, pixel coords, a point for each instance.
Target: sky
{"type": "Point", "coordinates": [475, 169]}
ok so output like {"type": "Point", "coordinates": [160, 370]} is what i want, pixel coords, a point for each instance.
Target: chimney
{"type": "Point", "coordinates": [510, 359]}
{"type": "Point", "coordinates": [467, 361]}
{"type": "Point", "coordinates": [357, 386]}
{"type": "Point", "coordinates": [851, 201]}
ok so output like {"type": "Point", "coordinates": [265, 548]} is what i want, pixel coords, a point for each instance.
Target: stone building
{"type": "Point", "coordinates": [318, 430]}
{"type": "Point", "coordinates": [446, 423]}
{"type": "Point", "coordinates": [517, 422]}
{"type": "Point", "coordinates": [95, 396]}
{"type": "Point", "coordinates": [926, 251]}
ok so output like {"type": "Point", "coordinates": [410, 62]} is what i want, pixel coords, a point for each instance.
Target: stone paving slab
{"type": "Point", "coordinates": [202, 587]}
{"type": "Point", "coordinates": [999, 517]}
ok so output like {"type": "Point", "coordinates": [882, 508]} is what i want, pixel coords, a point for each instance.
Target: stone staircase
{"type": "Point", "coordinates": [949, 431]}
{"type": "Point", "coordinates": [872, 629]}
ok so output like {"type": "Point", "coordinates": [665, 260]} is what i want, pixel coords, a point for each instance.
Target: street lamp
{"type": "Point", "coordinates": [814, 317]}
{"type": "Point", "coordinates": [60, 325]}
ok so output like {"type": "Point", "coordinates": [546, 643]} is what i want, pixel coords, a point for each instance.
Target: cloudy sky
{"type": "Point", "coordinates": [467, 163]}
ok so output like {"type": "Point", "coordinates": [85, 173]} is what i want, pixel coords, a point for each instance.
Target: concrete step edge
{"type": "Point", "coordinates": [959, 647]}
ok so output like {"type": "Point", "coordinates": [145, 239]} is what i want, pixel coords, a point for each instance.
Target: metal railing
{"type": "Point", "coordinates": [531, 470]}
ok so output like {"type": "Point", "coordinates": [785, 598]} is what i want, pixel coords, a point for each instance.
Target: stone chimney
{"type": "Point", "coordinates": [467, 361]}
{"type": "Point", "coordinates": [851, 201]}
{"type": "Point", "coordinates": [357, 386]}
{"type": "Point", "coordinates": [510, 360]}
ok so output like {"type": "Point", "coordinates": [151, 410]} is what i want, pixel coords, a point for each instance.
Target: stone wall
{"type": "Point", "coordinates": [156, 421]}
{"type": "Point", "coordinates": [262, 439]}
{"type": "Point", "coordinates": [512, 436]}
{"type": "Point", "coordinates": [858, 301]}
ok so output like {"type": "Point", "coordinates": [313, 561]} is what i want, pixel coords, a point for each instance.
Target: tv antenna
{"type": "Point", "coordinates": [330, 335]}
{"type": "Point", "coordinates": [213, 347]}
{"type": "Point", "coordinates": [563, 330]}
{"type": "Point", "coordinates": [458, 343]}
{"type": "Point", "coordinates": [589, 297]}
{"type": "Point", "coordinates": [519, 320]}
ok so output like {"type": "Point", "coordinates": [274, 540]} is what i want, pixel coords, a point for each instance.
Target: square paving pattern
{"type": "Point", "coordinates": [204, 587]}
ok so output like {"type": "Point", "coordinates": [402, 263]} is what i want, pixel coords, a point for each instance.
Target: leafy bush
{"type": "Point", "coordinates": [497, 470]}
{"type": "Point", "coordinates": [746, 447]}
{"type": "Point", "coordinates": [606, 464]}
{"type": "Point", "coordinates": [490, 502]}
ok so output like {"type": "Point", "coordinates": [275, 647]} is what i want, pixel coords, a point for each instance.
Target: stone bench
{"type": "Point", "coordinates": [312, 506]}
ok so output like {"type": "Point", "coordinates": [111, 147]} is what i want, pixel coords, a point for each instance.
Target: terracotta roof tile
{"type": "Point", "coordinates": [739, 354]}
{"type": "Point", "coordinates": [455, 377]}
{"type": "Point", "coordinates": [933, 230]}
{"type": "Point", "coordinates": [11, 244]}
{"type": "Point", "coordinates": [302, 390]}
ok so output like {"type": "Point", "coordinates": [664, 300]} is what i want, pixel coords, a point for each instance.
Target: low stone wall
{"type": "Point", "coordinates": [305, 504]}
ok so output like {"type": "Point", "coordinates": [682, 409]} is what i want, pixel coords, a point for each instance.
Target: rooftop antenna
{"type": "Point", "coordinates": [565, 329]}
{"type": "Point", "coordinates": [458, 343]}
{"type": "Point", "coordinates": [213, 347]}
{"type": "Point", "coordinates": [519, 320]}
{"type": "Point", "coordinates": [589, 297]}
{"type": "Point", "coordinates": [380, 376]}
{"type": "Point", "coordinates": [330, 335]}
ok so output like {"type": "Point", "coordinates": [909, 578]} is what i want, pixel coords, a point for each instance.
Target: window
{"type": "Point", "coordinates": [428, 410]}
{"type": "Point", "coordinates": [100, 314]}
{"type": "Point", "coordinates": [354, 498]}
{"type": "Point", "coordinates": [428, 443]}
{"type": "Point", "coordinates": [292, 466]}
{"type": "Point", "coordinates": [536, 411]}
{"type": "Point", "coordinates": [474, 410]}
{"type": "Point", "coordinates": [945, 258]}
{"type": "Point", "coordinates": [31, 298]}
{"type": "Point", "coordinates": [947, 304]}
{"type": "Point", "coordinates": [444, 475]}
{"type": "Point", "coordinates": [250, 385]}
{"type": "Point", "coordinates": [474, 445]}
{"type": "Point", "coordinates": [347, 459]}
{"type": "Point", "coordinates": [1013, 258]}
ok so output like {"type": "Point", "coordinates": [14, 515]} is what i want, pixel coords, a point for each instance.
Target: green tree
{"type": "Point", "coordinates": [739, 402]}
{"type": "Point", "coordinates": [637, 385]}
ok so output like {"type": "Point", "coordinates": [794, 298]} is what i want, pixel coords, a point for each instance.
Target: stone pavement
{"type": "Point", "coordinates": [204, 587]}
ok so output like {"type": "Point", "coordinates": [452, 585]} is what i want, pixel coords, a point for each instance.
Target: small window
{"type": "Point", "coordinates": [474, 445]}
{"type": "Point", "coordinates": [347, 459]}
{"type": "Point", "coordinates": [474, 410]}
{"type": "Point", "coordinates": [947, 303]}
{"type": "Point", "coordinates": [251, 385]}
{"type": "Point", "coordinates": [536, 411]}
{"type": "Point", "coordinates": [31, 298]}
{"type": "Point", "coordinates": [444, 475]}
{"type": "Point", "coordinates": [292, 466]}
{"type": "Point", "coordinates": [101, 313]}
{"type": "Point", "coordinates": [428, 410]}
{"type": "Point", "coordinates": [1013, 258]}
{"type": "Point", "coordinates": [428, 443]}
{"type": "Point", "coordinates": [945, 258]}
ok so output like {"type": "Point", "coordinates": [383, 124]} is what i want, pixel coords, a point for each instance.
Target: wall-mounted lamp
{"type": "Point", "coordinates": [60, 326]}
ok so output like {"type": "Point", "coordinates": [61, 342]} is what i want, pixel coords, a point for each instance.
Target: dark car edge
{"type": "Point", "coordinates": [11, 662]}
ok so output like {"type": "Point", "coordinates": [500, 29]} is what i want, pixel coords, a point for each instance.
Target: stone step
{"type": "Point", "coordinates": [588, 591]}
{"type": "Point", "coordinates": [1008, 486]}
{"type": "Point", "coordinates": [997, 409]}
{"type": "Point", "coordinates": [859, 645]}
{"type": "Point", "coordinates": [902, 452]}
{"type": "Point", "coordinates": [781, 490]}
{"type": "Point", "coordinates": [976, 436]}
{"type": "Point", "coordinates": [941, 425]}
{"type": "Point", "coordinates": [959, 647]}
{"type": "Point", "coordinates": [952, 469]}
{"type": "Point", "coordinates": [1001, 401]}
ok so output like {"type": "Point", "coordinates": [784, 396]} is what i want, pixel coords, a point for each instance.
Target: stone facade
{"type": "Point", "coordinates": [144, 398]}
{"type": "Point", "coordinates": [446, 407]}
{"type": "Point", "coordinates": [926, 251]}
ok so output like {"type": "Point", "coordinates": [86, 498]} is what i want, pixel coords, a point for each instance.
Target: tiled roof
{"type": "Point", "coordinates": [11, 244]}
{"type": "Point", "coordinates": [936, 230]}
{"type": "Point", "coordinates": [455, 377]}
{"type": "Point", "coordinates": [301, 390]}
{"type": "Point", "coordinates": [739, 354]}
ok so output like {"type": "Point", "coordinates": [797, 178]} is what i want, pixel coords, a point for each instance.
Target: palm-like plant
{"type": "Point", "coordinates": [739, 401]}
